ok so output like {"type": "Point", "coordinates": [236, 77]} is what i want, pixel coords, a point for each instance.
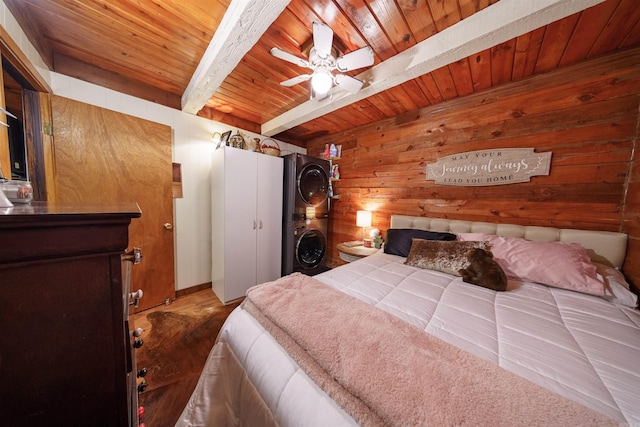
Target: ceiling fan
{"type": "Point", "coordinates": [323, 61]}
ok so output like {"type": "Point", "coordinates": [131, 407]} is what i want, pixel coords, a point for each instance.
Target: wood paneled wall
{"type": "Point", "coordinates": [586, 115]}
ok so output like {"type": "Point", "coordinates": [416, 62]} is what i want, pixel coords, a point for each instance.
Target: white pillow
{"type": "Point", "coordinates": [617, 290]}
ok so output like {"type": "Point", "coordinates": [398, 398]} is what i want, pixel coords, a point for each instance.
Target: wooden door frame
{"type": "Point", "coordinates": [36, 92]}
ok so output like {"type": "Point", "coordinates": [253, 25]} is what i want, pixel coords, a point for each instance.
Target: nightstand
{"type": "Point", "coordinates": [354, 253]}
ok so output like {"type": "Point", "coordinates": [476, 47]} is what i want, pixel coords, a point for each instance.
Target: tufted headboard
{"type": "Point", "coordinates": [605, 247]}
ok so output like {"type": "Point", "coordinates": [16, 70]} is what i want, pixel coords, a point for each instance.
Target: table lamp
{"type": "Point", "coordinates": [363, 219]}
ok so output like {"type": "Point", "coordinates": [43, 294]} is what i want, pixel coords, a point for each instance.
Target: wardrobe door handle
{"type": "Point", "coordinates": [260, 224]}
{"type": "Point", "coordinates": [254, 224]}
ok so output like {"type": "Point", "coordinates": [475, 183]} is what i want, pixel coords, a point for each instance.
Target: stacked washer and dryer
{"type": "Point", "coordinates": [305, 214]}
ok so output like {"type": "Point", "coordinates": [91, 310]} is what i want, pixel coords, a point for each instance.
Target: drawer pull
{"type": "Point", "coordinates": [134, 256]}
{"type": "Point", "coordinates": [134, 297]}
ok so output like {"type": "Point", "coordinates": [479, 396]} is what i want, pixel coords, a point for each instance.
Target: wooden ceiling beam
{"type": "Point", "coordinates": [489, 27]}
{"type": "Point", "coordinates": [242, 26]}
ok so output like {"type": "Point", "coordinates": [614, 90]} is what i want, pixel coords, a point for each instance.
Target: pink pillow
{"type": "Point", "coordinates": [557, 264]}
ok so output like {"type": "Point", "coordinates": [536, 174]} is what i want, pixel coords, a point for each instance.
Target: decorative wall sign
{"type": "Point", "coordinates": [498, 166]}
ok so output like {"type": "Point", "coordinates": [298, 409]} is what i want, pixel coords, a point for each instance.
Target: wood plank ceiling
{"type": "Point", "coordinates": [151, 49]}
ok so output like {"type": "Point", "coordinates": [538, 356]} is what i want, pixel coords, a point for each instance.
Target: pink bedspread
{"type": "Point", "coordinates": [384, 371]}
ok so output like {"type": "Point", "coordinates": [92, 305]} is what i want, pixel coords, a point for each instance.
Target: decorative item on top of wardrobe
{"type": "Point", "coordinates": [257, 147]}
{"type": "Point", "coordinates": [237, 141]}
{"type": "Point", "coordinates": [220, 140]}
{"type": "Point", "coordinates": [270, 147]}
{"type": "Point", "coordinates": [216, 139]}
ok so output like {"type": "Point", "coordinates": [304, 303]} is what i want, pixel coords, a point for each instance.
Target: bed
{"type": "Point", "coordinates": [532, 355]}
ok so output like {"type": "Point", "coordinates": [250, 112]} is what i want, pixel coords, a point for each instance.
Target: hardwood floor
{"type": "Point", "coordinates": [195, 303]}
{"type": "Point", "coordinates": [177, 340]}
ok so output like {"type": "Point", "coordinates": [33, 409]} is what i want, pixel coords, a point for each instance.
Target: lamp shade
{"type": "Point", "coordinates": [363, 218]}
{"type": "Point", "coordinates": [321, 81]}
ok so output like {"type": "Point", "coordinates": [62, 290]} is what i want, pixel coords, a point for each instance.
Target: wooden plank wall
{"type": "Point", "coordinates": [586, 114]}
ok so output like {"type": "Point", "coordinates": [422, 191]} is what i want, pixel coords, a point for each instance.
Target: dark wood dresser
{"type": "Point", "coordinates": [66, 355]}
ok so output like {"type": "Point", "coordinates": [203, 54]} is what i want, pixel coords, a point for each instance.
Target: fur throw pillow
{"type": "Point", "coordinates": [448, 257]}
{"type": "Point", "coordinates": [483, 270]}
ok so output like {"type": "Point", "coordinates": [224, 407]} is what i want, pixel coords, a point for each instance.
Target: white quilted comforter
{"type": "Point", "coordinates": [582, 347]}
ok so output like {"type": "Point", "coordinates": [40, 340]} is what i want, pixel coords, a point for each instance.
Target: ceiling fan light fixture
{"type": "Point", "coordinates": [322, 61]}
{"type": "Point", "coordinates": [321, 81]}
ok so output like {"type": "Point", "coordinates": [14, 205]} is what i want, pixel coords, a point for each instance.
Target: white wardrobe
{"type": "Point", "coordinates": [246, 227]}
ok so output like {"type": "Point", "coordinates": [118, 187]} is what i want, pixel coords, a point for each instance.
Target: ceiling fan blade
{"type": "Point", "coordinates": [348, 83]}
{"type": "Point", "coordinates": [294, 81]}
{"type": "Point", "coordinates": [279, 53]}
{"type": "Point", "coordinates": [322, 39]}
{"type": "Point", "coordinates": [362, 57]}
